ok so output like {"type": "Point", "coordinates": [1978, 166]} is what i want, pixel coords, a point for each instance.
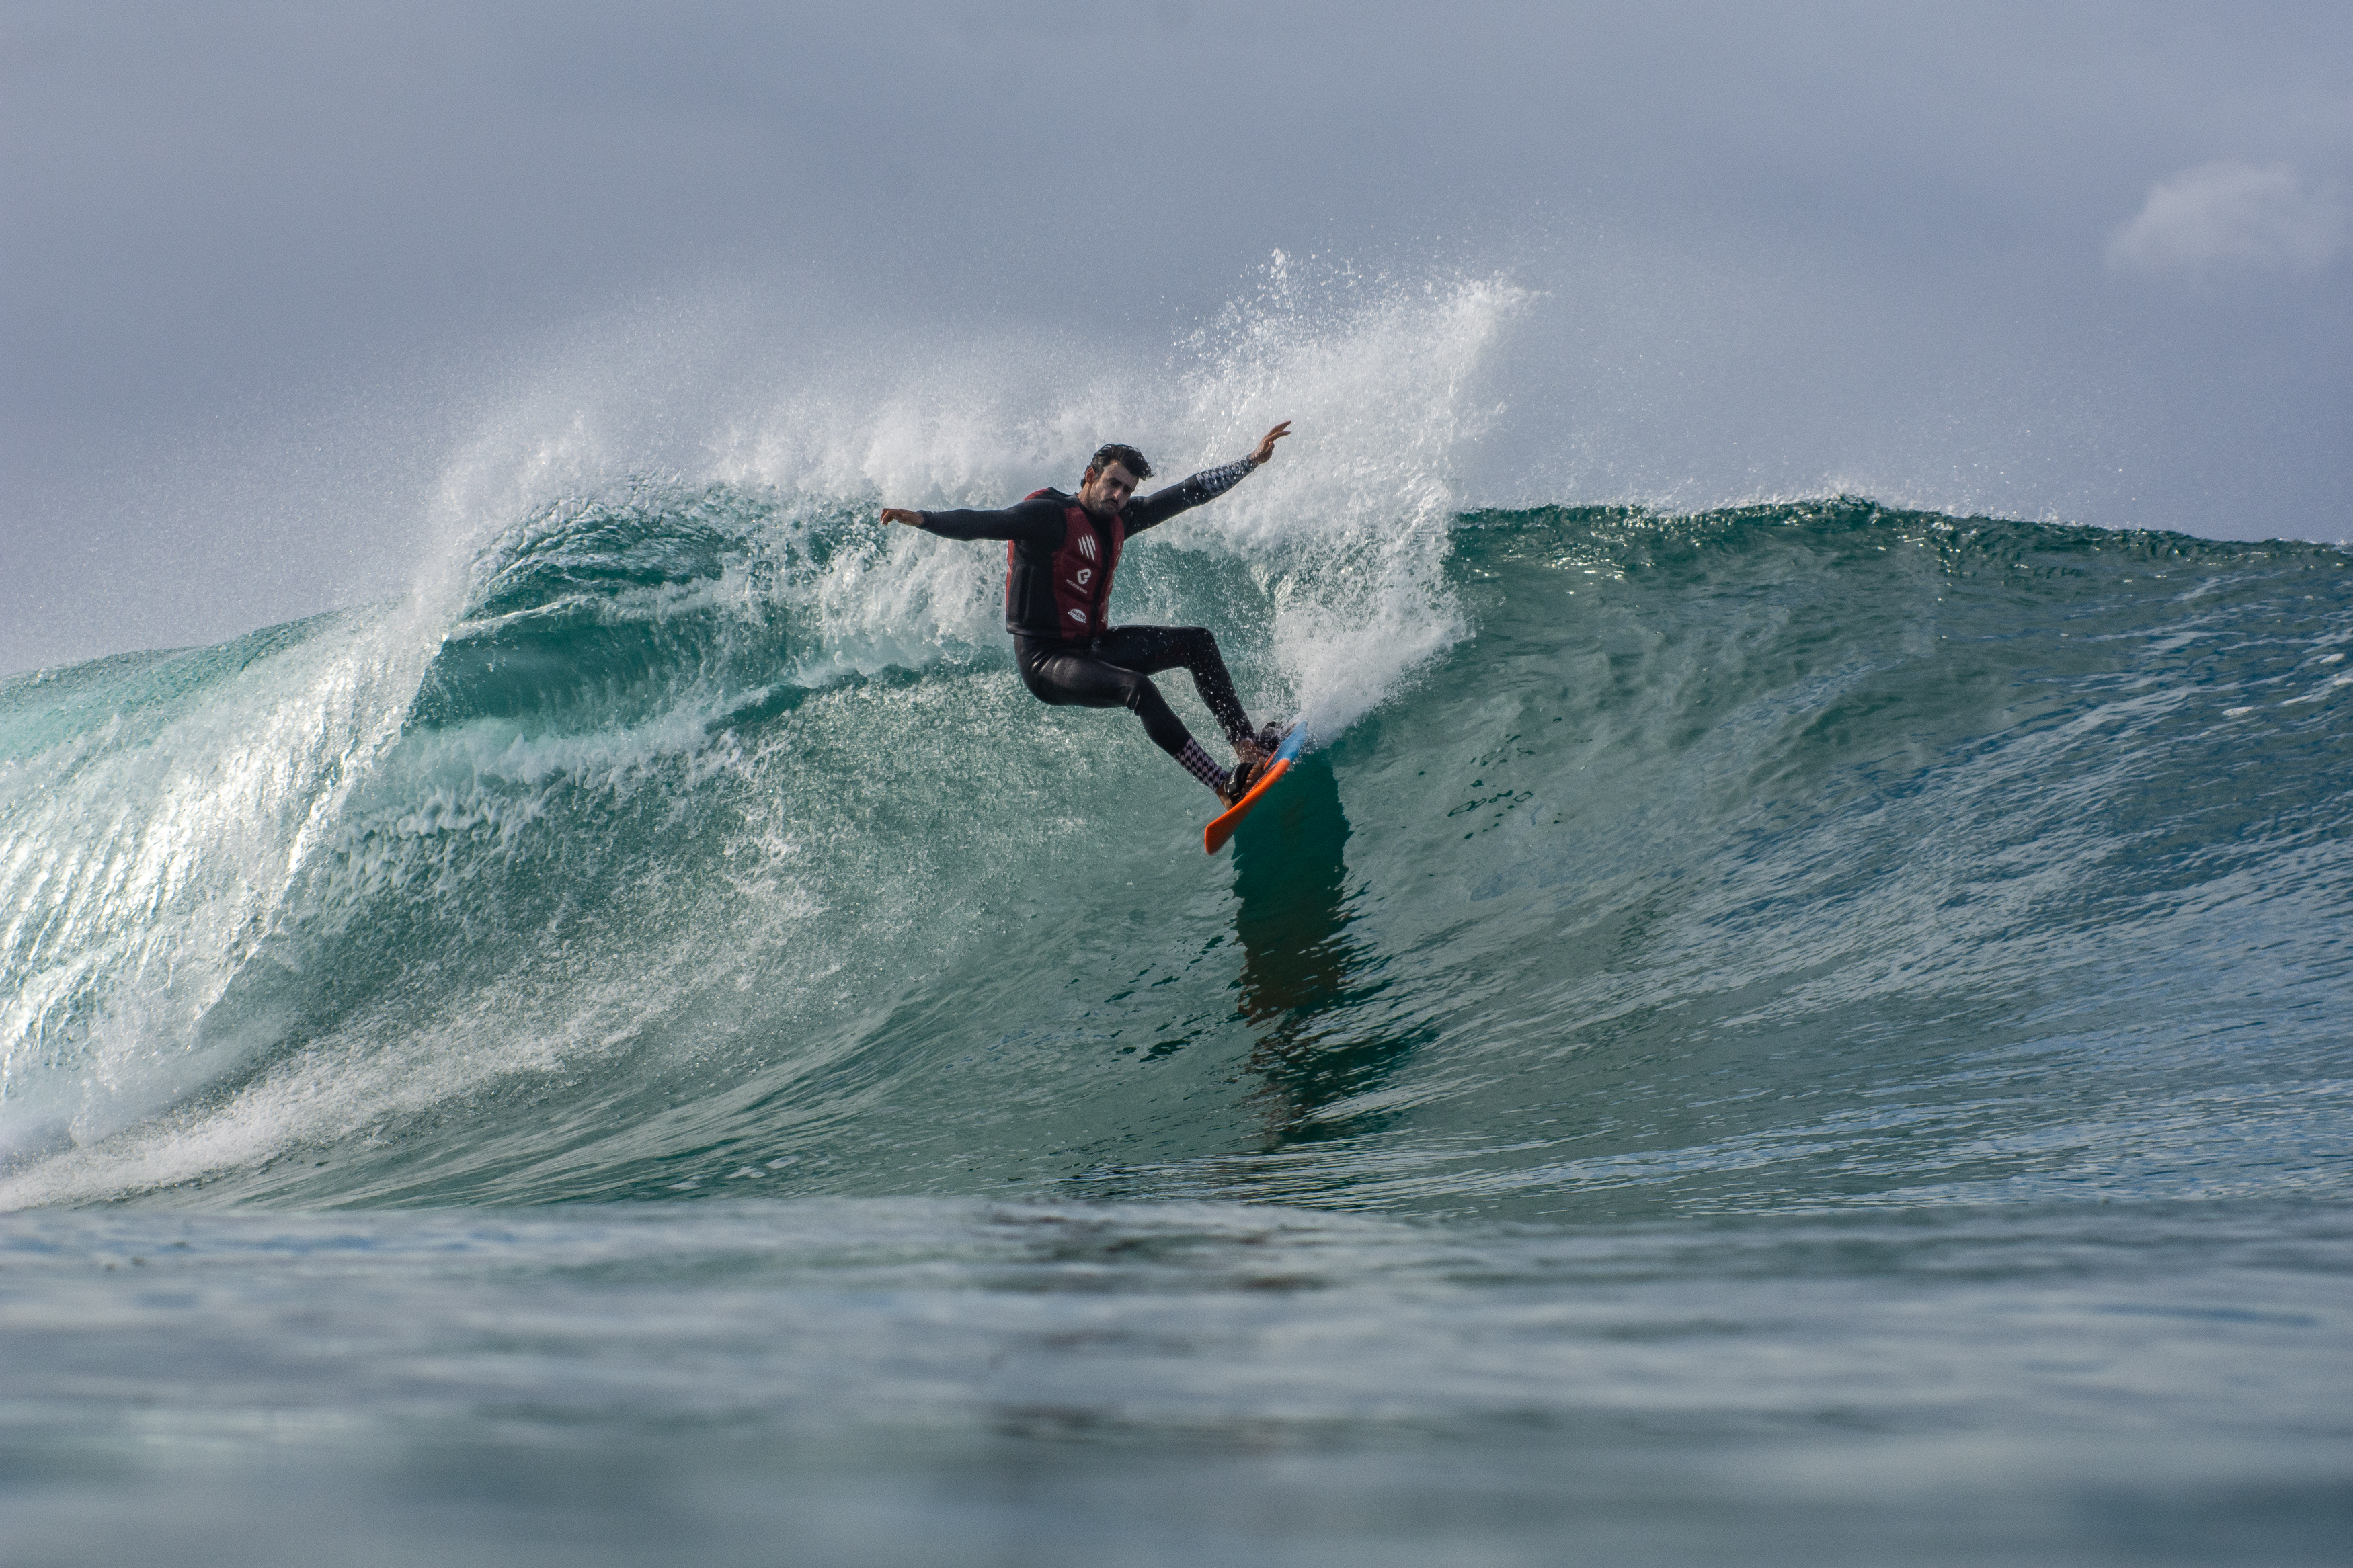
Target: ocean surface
{"type": "Point", "coordinates": [1813, 1032]}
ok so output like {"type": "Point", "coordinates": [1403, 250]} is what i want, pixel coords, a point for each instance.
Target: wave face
{"type": "Point", "coordinates": [1796, 855]}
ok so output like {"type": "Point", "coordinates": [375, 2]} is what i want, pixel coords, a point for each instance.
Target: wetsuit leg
{"type": "Point", "coordinates": [1151, 649]}
{"type": "Point", "coordinates": [1071, 674]}
{"type": "Point", "coordinates": [1111, 673]}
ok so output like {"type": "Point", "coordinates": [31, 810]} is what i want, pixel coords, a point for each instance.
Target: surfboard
{"type": "Point", "coordinates": [1214, 836]}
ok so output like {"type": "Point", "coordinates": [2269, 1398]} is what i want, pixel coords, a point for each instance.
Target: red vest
{"type": "Point", "coordinates": [1078, 573]}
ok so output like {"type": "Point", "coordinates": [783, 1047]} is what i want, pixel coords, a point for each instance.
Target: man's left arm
{"type": "Point", "coordinates": [1206, 486]}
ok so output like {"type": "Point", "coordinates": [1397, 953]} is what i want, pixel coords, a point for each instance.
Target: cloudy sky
{"type": "Point", "coordinates": [266, 270]}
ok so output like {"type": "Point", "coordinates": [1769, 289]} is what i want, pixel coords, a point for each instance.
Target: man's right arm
{"type": "Point", "coordinates": [1038, 522]}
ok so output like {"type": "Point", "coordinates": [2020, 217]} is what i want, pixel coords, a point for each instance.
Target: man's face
{"type": "Point", "coordinates": [1105, 490]}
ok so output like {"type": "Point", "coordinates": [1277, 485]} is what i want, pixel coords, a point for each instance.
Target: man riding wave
{"type": "Point", "coordinates": [1061, 553]}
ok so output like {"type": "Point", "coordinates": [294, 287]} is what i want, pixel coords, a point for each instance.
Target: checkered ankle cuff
{"type": "Point", "coordinates": [1202, 766]}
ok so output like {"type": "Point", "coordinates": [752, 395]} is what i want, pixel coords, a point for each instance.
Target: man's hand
{"type": "Point", "coordinates": [1265, 452]}
{"type": "Point", "coordinates": [900, 514]}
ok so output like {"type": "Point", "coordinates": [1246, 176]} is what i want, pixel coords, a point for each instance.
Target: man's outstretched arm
{"type": "Point", "coordinates": [1206, 486]}
{"type": "Point", "coordinates": [1036, 521]}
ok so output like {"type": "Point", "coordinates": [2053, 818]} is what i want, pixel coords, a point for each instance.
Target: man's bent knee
{"type": "Point", "coordinates": [1135, 693]}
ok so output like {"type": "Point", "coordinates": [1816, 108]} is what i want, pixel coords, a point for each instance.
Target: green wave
{"type": "Point", "coordinates": [1813, 854]}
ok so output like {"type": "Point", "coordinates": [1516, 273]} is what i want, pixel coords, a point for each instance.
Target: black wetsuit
{"type": "Point", "coordinates": [1051, 540]}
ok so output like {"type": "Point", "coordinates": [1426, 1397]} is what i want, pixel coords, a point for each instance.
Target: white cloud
{"type": "Point", "coordinates": [2221, 216]}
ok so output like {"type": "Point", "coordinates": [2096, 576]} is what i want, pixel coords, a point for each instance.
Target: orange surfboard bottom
{"type": "Point", "coordinates": [1214, 836]}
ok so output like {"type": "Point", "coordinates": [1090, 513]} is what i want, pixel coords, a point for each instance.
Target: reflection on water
{"type": "Point", "coordinates": [1302, 975]}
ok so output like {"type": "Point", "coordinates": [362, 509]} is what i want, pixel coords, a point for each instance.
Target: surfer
{"type": "Point", "coordinates": [1060, 551]}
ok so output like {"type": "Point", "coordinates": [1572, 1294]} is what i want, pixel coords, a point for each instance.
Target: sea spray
{"type": "Point", "coordinates": [1348, 540]}
{"type": "Point", "coordinates": [1345, 535]}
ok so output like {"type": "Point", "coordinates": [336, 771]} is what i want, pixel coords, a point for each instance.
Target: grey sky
{"type": "Point", "coordinates": [266, 268]}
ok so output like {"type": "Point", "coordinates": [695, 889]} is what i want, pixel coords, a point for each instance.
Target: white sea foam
{"type": "Point", "coordinates": [146, 860]}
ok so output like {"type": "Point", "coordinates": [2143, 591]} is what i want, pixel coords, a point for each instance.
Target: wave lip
{"type": "Point", "coordinates": [157, 810]}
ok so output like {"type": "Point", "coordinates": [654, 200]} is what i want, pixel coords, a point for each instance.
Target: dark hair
{"type": "Point", "coordinates": [1126, 456]}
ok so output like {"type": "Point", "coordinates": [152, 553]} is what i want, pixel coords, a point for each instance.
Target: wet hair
{"type": "Point", "coordinates": [1126, 456]}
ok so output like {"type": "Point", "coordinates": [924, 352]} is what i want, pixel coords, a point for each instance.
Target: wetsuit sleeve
{"type": "Point", "coordinates": [1186, 494]}
{"type": "Point", "coordinates": [1038, 522]}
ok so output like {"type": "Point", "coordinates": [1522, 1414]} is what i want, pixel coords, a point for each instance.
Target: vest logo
{"type": "Point", "coordinates": [1086, 574]}
{"type": "Point", "coordinates": [1087, 545]}
{"type": "Point", "coordinates": [1080, 616]}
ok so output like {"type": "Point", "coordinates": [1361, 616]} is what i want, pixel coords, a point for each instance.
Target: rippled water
{"type": "Point", "coordinates": [958, 1381]}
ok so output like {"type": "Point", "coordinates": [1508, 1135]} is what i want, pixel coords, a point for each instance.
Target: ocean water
{"type": "Point", "coordinates": [1813, 1031]}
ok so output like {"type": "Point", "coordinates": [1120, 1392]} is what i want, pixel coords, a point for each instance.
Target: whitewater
{"type": "Point", "coordinates": [1807, 1030]}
